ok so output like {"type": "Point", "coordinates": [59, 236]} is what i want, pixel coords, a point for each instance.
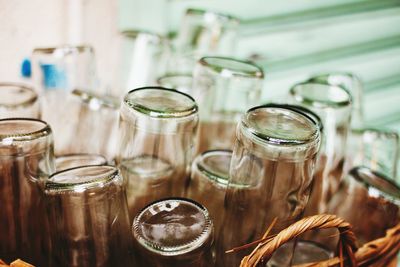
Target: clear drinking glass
{"type": "Point", "coordinates": [18, 101]}
{"type": "Point", "coordinates": [88, 216]}
{"type": "Point", "coordinates": [369, 201]}
{"type": "Point", "coordinates": [377, 149]}
{"type": "Point", "coordinates": [24, 143]}
{"type": "Point", "coordinates": [270, 176]}
{"type": "Point", "coordinates": [353, 85]}
{"type": "Point", "coordinates": [208, 182]}
{"type": "Point", "coordinates": [141, 59]}
{"type": "Point", "coordinates": [181, 82]}
{"type": "Point", "coordinates": [333, 105]}
{"type": "Point", "coordinates": [174, 232]}
{"type": "Point", "coordinates": [224, 88]}
{"type": "Point", "coordinates": [157, 132]}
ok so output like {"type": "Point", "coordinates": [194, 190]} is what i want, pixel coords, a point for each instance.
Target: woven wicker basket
{"type": "Point", "coordinates": [380, 252]}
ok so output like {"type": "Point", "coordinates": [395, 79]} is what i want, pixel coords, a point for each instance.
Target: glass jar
{"type": "Point", "coordinates": [333, 105]}
{"type": "Point", "coordinates": [65, 162]}
{"type": "Point", "coordinates": [157, 134]}
{"type": "Point", "coordinates": [181, 82]}
{"type": "Point", "coordinates": [208, 182]}
{"type": "Point", "coordinates": [18, 101]}
{"type": "Point", "coordinates": [24, 143]}
{"type": "Point", "coordinates": [270, 176]}
{"type": "Point", "coordinates": [224, 88]}
{"type": "Point", "coordinates": [174, 233]}
{"type": "Point", "coordinates": [89, 219]}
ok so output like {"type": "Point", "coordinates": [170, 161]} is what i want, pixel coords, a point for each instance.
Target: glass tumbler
{"type": "Point", "coordinates": [332, 104]}
{"type": "Point", "coordinates": [208, 182]}
{"type": "Point", "coordinates": [270, 176]}
{"type": "Point", "coordinates": [369, 201]}
{"type": "Point", "coordinates": [18, 101]}
{"type": "Point", "coordinates": [180, 82]}
{"type": "Point", "coordinates": [353, 85]}
{"type": "Point", "coordinates": [157, 133]}
{"type": "Point", "coordinates": [88, 216]}
{"type": "Point", "coordinates": [174, 232]}
{"type": "Point", "coordinates": [224, 88]}
{"type": "Point", "coordinates": [24, 143]}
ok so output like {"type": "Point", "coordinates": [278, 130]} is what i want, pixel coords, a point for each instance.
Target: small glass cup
{"type": "Point", "coordinates": [18, 101]}
{"type": "Point", "coordinates": [270, 176]}
{"type": "Point", "coordinates": [180, 82]}
{"type": "Point", "coordinates": [369, 201]}
{"type": "Point", "coordinates": [332, 104]}
{"type": "Point", "coordinates": [174, 232]}
{"type": "Point", "coordinates": [88, 216]}
{"type": "Point", "coordinates": [350, 83]}
{"type": "Point", "coordinates": [157, 133]}
{"type": "Point", "coordinates": [224, 88]}
{"type": "Point", "coordinates": [24, 143]}
{"type": "Point", "coordinates": [209, 179]}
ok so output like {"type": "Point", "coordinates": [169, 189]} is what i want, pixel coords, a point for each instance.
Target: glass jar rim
{"type": "Point", "coordinates": [232, 67]}
{"type": "Point", "coordinates": [85, 181]}
{"type": "Point", "coordinates": [189, 110]}
{"type": "Point", "coordinates": [169, 76]}
{"type": "Point", "coordinates": [310, 137]}
{"type": "Point", "coordinates": [32, 95]}
{"type": "Point", "coordinates": [134, 33]}
{"type": "Point", "coordinates": [93, 99]}
{"type": "Point", "coordinates": [219, 15]}
{"type": "Point", "coordinates": [215, 176]}
{"type": "Point", "coordinates": [42, 131]}
{"type": "Point", "coordinates": [342, 97]}
{"type": "Point", "coordinates": [184, 248]}
{"type": "Point", "coordinates": [101, 160]}
{"type": "Point", "coordinates": [66, 49]}
{"type": "Point", "coordinates": [377, 183]}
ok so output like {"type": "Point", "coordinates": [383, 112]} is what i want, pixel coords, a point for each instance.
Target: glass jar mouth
{"type": "Point", "coordinates": [218, 174]}
{"type": "Point", "coordinates": [96, 101]}
{"type": "Point", "coordinates": [63, 50]}
{"type": "Point", "coordinates": [64, 161]}
{"type": "Point", "coordinates": [277, 124]}
{"type": "Point", "coordinates": [217, 15]}
{"type": "Point", "coordinates": [28, 92]}
{"type": "Point", "coordinates": [160, 102]}
{"type": "Point", "coordinates": [82, 178]}
{"type": "Point", "coordinates": [172, 80]}
{"type": "Point", "coordinates": [321, 95]}
{"type": "Point", "coordinates": [134, 33]}
{"type": "Point", "coordinates": [27, 129]}
{"type": "Point", "coordinates": [165, 249]}
{"type": "Point", "coordinates": [230, 67]}
{"type": "Point", "coordinates": [377, 184]}
{"type": "Point", "coordinates": [376, 133]}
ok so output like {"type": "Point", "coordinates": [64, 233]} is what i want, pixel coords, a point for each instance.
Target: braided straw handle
{"type": "Point", "coordinates": [265, 249]}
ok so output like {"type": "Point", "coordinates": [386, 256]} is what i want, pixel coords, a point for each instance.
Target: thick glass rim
{"type": "Point", "coordinates": [376, 132]}
{"type": "Point", "coordinates": [252, 70]}
{"type": "Point", "coordinates": [313, 137]}
{"type": "Point", "coordinates": [154, 113]}
{"type": "Point", "coordinates": [219, 15]}
{"type": "Point", "coordinates": [377, 183]}
{"type": "Point", "coordinates": [77, 156]}
{"type": "Point", "coordinates": [32, 99]}
{"type": "Point", "coordinates": [95, 99]}
{"type": "Point", "coordinates": [174, 76]}
{"type": "Point", "coordinates": [133, 33]}
{"type": "Point", "coordinates": [211, 175]}
{"type": "Point", "coordinates": [98, 181]}
{"type": "Point", "coordinates": [346, 100]}
{"type": "Point", "coordinates": [173, 250]}
{"type": "Point", "coordinates": [66, 49]}
{"type": "Point", "coordinates": [323, 77]}
{"type": "Point", "coordinates": [44, 131]}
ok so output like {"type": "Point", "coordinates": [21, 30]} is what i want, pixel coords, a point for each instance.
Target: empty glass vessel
{"type": "Point", "coordinates": [174, 232]}
{"type": "Point", "coordinates": [18, 101]}
{"type": "Point", "coordinates": [76, 160]}
{"type": "Point", "coordinates": [208, 182]}
{"type": "Point", "coordinates": [181, 82]}
{"type": "Point", "coordinates": [88, 218]}
{"type": "Point", "coordinates": [332, 104]}
{"type": "Point", "coordinates": [369, 201]}
{"type": "Point", "coordinates": [24, 143]}
{"type": "Point", "coordinates": [270, 176]}
{"type": "Point", "coordinates": [157, 134]}
{"type": "Point", "coordinates": [224, 88]}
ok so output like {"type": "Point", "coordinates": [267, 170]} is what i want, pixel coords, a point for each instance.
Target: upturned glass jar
{"type": "Point", "coordinates": [88, 218]}
{"type": "Point", "coordinates": [174, 232]}
{"type": "Point", "coordinates": [224, 88]}
{"type": "Point", "coordinates": [270, 176]}
{"type": "Point", "coordinates": [157, 134]}
{"type": "Point", "coordinates": [333, 106]}
{"type": "Point", "coordinates": [24, 143]}
{"type": "Point", "coordinates": [18, 101]}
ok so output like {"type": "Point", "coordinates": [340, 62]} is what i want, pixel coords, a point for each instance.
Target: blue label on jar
{"type": "Point", "coordinates": [54, 77]}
